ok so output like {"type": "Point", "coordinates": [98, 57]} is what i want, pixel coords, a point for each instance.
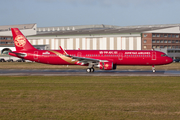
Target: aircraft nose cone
{"type": "Point", "coordinates": [170, 60]}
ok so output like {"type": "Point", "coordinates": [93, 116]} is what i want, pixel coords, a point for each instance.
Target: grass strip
{"type": "Point", "coordinates": [75, 98]}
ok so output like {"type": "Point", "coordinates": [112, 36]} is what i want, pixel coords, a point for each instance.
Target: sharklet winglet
{"type": "Point", "coordinates": [63, 50]}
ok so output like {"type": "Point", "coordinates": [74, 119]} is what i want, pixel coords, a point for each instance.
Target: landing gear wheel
{"type": "Point", "coordinates": [153, 69]}
{"type": "Point", "coordinates": [92, 69]}
{"type": "Point", "coordinates": [88, 70]}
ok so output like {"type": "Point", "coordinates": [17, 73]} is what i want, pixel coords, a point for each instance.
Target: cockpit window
{"type": "Point", "coordinates": [163, 55]}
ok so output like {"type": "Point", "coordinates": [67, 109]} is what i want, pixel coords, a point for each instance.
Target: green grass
{"type": "Point", "coordinates": [89, 98]}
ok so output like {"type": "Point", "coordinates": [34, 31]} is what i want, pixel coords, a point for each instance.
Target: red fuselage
{"type": "Point", "coordinates": [117, 57]}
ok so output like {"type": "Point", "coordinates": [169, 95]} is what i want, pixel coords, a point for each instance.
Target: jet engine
{"type": "Point", "coordinates": [107, 66]}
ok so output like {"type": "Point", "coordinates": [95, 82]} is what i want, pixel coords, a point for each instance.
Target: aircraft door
{"type": "Point", "coordinates": [120, 56]}
{"type": "Point", "coordinates": [35, 55]}
{"type": "Point", "coordinates": [79, 54]}
{"type": "Point", "coordinates": [153, 55]}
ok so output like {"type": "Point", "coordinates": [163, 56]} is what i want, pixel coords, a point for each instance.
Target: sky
{"type": "Point", "coordinates": [47, 13]}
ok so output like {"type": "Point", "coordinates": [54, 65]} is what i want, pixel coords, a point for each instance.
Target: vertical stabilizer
{"type": "Point", "coordinates": [20, 42]}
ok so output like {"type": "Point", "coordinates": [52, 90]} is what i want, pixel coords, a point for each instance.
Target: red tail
{"type": "Point", "coordinates": [20, 42]}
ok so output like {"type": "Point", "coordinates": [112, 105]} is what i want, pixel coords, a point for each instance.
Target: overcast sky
{"type": "Point", "coordinates": [88, 12]}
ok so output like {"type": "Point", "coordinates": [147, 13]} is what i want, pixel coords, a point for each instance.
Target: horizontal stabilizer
{"type": "Point", "coordinates": [19, 54]}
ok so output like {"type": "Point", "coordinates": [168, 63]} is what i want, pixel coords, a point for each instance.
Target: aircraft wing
{"type": "Point", "coordinates": [82, 59]}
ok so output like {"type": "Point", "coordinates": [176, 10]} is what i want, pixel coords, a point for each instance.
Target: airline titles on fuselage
{"type": "Point", "coordinates": [138, 53]}
{"type": "Point", "coordinates": [131, 53]}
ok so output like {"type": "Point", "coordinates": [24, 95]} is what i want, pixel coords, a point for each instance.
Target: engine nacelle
{"type": "Point", "coordinates": [107, 66]}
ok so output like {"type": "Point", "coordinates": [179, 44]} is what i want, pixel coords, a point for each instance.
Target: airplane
{"type": "Point", "coordinates": [102, 59]}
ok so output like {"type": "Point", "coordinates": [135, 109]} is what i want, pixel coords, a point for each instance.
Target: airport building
{"type": "Point", "coordinates": [165, 38]}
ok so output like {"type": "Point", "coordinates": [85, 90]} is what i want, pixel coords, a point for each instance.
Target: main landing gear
{"type": "Point", "coordinates": [153, 69]}
{"type": "Point", "coordinates": [90, 70]}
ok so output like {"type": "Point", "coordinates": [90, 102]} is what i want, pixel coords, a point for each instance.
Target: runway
{"type": "Point", "coordinates": [81, 72]}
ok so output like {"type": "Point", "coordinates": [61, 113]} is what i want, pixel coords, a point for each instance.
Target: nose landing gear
{"type": "Point", "coordinates": [153, 69]}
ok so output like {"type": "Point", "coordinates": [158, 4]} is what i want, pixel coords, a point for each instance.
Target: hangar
{"type": "Point", "coordinates": [106, 37]}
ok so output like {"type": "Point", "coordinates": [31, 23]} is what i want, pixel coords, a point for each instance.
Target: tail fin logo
{"type": "Point", "coordinates": [20, 41]}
